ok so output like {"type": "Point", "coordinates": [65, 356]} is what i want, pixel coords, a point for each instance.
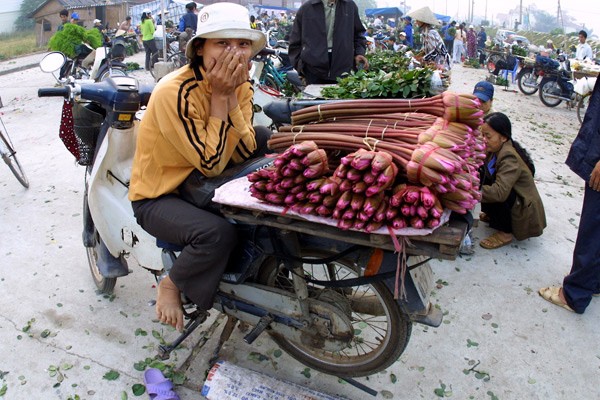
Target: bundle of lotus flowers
{"type": "Point", "coordinates": [285, 182]}
{"type": "Point", "coordinates": [453, 107]}
{"type": "Point", "coordinates": [434, 142]}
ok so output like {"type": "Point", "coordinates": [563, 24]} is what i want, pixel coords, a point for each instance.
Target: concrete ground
{"type": "Point", "coordinates": [59, 339]}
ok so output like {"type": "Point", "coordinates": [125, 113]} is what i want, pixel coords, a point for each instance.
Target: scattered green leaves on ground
{"type": "Point", "coordinates": [138, 389]}
{"type": "Point", "coordinates": [3, 390]}
{"type": "Point", "coordinates": [57, 371]}
{"type": "Point", "coordinates": [306, 372]}
{"type": "Point", "coordinates": [441, 391]}
{"type": "Point", "coordinates": [28, 325]}
{"type": "Point", "coordinates": [111, 375]}
{"type": "Point", "coordinates": [485, 376]}
{"type": "Point", "coordinates": [471, 343]}
{"type": "Point", "coordinates": [168, 370]}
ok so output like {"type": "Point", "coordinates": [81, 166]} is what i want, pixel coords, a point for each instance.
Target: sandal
{"type": "Point", "coordinates": [157, 386]}
{"type": "Point", "coordinates": [494, 241]}
{"type": "Point", "coordinates": [483, 217]}
{"type": "Point", "coordinates": [552, 294]}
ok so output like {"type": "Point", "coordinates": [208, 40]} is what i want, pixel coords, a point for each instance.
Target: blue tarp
{"type": "Point", "coordinates": [441, 17]}
{"type": "Point", "coordinates": [387, 12]}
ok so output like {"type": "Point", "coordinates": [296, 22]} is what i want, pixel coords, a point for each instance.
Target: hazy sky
{"type": "Point", "coordinates": [584, 11]}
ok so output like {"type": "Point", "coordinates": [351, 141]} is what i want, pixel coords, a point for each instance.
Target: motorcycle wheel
{"type": "Point", "coordinates": [547, 87]}
{"type": "Point", "coordinates": [582, 106]}
{"type": "Point", "coordinates": [382, 329]}
{"type": "Point", "coordinates": [114, 71]}
{"type": "Point", "coordinates": [103, 284]}
{"type": "Point", "coordinates": [527, 77]}
{"type": "Point", "coordinates": [491, 62]}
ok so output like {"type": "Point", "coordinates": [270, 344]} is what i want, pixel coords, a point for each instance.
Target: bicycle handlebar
{"type": "Point", "coordinates": [55, 92]}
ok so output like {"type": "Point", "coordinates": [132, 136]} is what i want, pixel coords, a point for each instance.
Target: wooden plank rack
{"type": "Point", "coordinates": [443, 243]}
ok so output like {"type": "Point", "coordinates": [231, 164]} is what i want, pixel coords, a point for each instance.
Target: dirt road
{"type": "Point", "coordinates": [499, 340]}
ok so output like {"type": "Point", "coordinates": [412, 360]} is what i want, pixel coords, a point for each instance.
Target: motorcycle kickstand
{"type": "Point", "coordinates": [196, 319]}
{"type": "Point", "coordinates": [225, 335]}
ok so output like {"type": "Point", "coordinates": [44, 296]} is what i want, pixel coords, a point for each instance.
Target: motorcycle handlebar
{"type": "Point", "coordinates": [55, 92]}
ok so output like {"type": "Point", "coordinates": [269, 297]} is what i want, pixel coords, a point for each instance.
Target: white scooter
{"type": "Point", "coordinates": [301, 282]}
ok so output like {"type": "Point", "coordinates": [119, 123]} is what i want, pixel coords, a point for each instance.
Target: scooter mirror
{"type": "Point", "coordinates": [52, 61]}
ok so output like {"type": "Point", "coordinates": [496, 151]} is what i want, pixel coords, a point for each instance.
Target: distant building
{"type": "Point", "coordinates": [109, 12]}
{"type": "Point", "coordinates": [9, 12]}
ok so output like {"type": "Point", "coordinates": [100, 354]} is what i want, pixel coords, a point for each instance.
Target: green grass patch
{"type": "Point", "coordinates": [17, 44]}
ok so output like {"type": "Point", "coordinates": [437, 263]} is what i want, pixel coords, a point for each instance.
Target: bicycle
{"type": "Point", "coordinates": [174, 55]}
{"type": "Point", "coordinates": [9, 155]}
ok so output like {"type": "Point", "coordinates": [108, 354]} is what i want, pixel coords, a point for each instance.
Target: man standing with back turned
{"type": "Point", "coordinates": [327, 40]}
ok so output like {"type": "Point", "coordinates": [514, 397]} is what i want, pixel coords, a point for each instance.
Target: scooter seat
{"type": "Point", "coordinates": [168, 246]}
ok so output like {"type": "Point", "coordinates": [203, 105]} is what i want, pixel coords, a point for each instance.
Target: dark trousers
{"type": "Point", "coordinates": [151, 53]}
{"type": "Point", "coordinates": [311, 79]}
{"type": "Point", "coordinates": [449, 43]}
{"type": "Point", "coordinates": [207, 239]}
{"type": "Point", "coordinates": [500, 65]}
{"type": "Point", "coordinates": [500, 213]}
{"type": "Point", "coordinates": [584, 279]}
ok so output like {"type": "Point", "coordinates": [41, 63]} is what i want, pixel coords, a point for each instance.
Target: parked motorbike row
{"type": "Point", "coordinates": [553, 80]}
{"type": "Point", "coordinates": [306, 288]}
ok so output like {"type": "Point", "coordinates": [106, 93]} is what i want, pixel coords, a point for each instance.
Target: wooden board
{"type": "Point", "coordinates": [443, 243]}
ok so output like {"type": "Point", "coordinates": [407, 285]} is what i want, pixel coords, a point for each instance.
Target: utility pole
{"type": "Point", "coordinates": [521, 12]}
{"type": "Point", "coordinates": [472, 9]}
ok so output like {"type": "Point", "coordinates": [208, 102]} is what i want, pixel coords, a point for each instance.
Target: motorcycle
{"type": "Point", "coordinates": [95, 64]}
{"type": "Point", "coordinates": [557, 85]}
{"type": "Point", "coordinates": [529, 75]}
{"type": "Point", "coordinates": [302, 283]}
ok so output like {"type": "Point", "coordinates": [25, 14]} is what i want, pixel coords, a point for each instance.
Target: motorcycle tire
{"type": "Point", "coordinates": [382, 329]}
{"type": "Point", "coordinates": [582, 106]}
{"type": "Point", "coordinates": [103, 284]}
{"type": "Point", "coordinates": [527, 76]}
{"type": "Point", "coordinates": [491, 62]}
{"type": "Point", "coordinates": [548, 86]}
{"type": "Point", "coordinates": [105, 72]}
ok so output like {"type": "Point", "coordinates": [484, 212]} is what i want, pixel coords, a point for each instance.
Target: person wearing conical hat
{"type": "Point", "coordinates": [433, 44]}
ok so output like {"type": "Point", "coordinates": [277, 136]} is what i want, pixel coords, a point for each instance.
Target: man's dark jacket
{"type": "Point", "coordinates": [308, 40]}
{"type": "Point", "coordinates": [585, 150]}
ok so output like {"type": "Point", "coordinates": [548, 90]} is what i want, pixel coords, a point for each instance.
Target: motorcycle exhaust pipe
{"type": "Point", "coordinates": [554, 96]}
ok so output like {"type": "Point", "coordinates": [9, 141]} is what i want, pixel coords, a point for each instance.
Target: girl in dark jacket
{"type": "Point", "coordinates": [510, 201]}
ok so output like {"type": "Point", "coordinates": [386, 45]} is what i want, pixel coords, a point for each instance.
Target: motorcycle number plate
{"type": "Point", "coordinates": [124, 117]}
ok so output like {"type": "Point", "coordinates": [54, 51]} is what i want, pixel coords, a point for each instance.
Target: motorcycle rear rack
{"type": "Point", "coordinates": [443, 243]}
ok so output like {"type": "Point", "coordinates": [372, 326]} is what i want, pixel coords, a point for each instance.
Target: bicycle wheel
{"type": "Point", "coordinates": [9, 155]}
{"type": "Point", "coordinates": [153, 60]}
{"type": "Point", "coordinates": [178, 59]}
{"type": "Point", "coordinates": [582, 106]}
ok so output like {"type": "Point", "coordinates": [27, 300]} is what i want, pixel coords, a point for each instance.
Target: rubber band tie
{"type": "Point", "coordinates": [297, 133]}
{"type": "Point", "coordinates": [368, 127]}
{"type": "Point", "coordinates": [319, 111]}
{"type": "Point", "coordinates": [383, 132]}
{"type": "Point", "coordinates": [423, 159]}
{"type": "Point", "coordinates": [367, 141]}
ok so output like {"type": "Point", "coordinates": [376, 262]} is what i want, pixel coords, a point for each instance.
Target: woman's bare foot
{"type": "Point", "coordinates": [168, 304]}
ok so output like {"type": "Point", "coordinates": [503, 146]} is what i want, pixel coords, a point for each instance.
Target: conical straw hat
{"type": "Point", "coordinates": [424, 15]}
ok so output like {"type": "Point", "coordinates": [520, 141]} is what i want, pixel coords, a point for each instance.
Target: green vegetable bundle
{"type": "Point", "coordinates": [68, 40]}
{"type": "Point", "coordinates": [388, 77]}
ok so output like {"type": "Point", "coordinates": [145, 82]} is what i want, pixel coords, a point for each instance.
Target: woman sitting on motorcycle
{"type": "Point", "coordinates": [198, 118]}
{"type": "Point", "coordinates": [510, 201]}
